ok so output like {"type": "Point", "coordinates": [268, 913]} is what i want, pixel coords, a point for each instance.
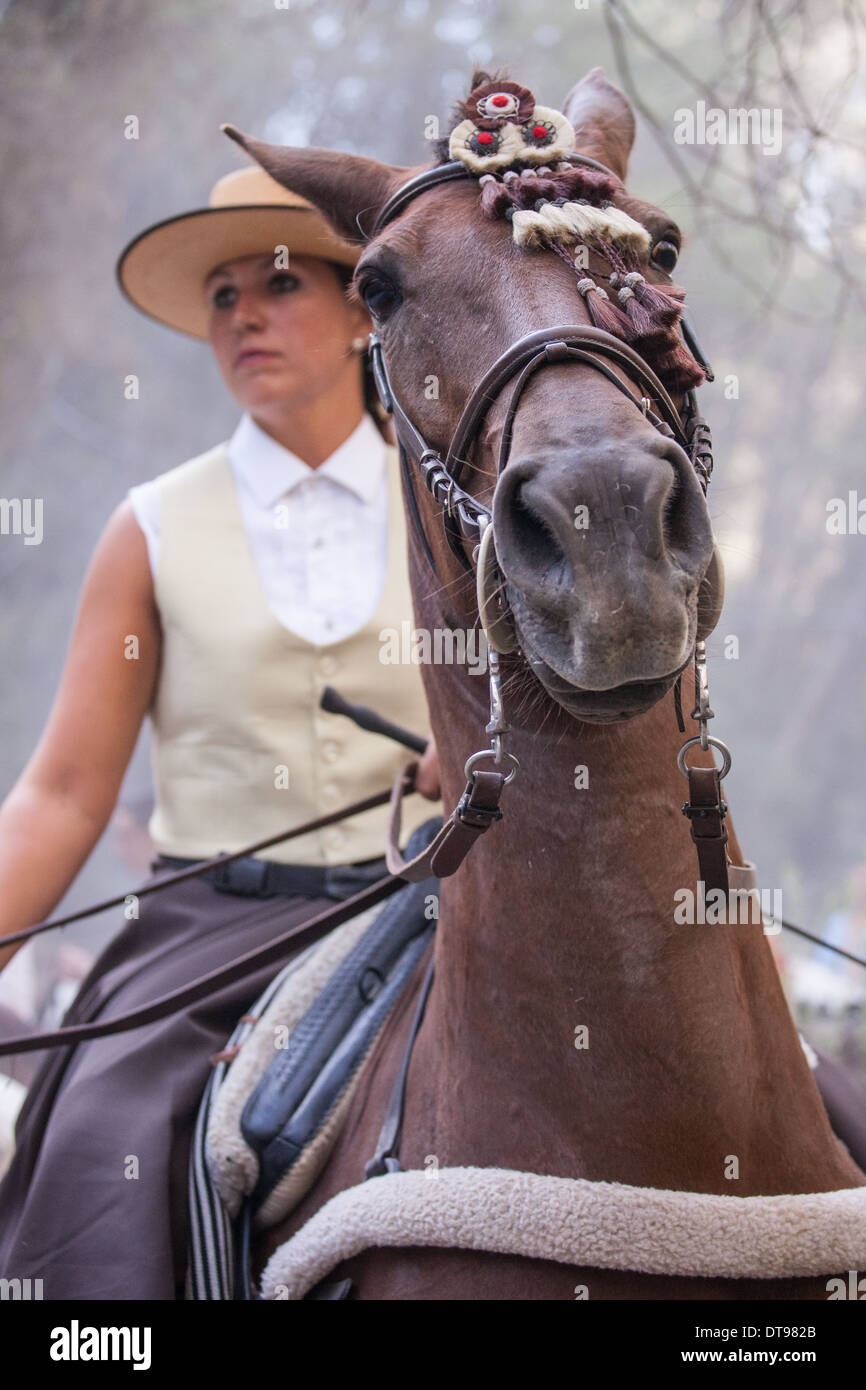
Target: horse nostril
{"type": "Point", "coordinates": [532, 540]}
{"type": "Point", "coordinates": [675, 530]}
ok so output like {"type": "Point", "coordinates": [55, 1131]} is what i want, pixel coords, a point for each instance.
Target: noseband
{"type": "Point", "coordinates": [464, 517]}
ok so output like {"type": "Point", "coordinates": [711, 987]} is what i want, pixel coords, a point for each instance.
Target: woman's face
{"type": "Point", "coordinates": [282, 335]}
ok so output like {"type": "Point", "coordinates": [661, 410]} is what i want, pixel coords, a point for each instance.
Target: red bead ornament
{"type": "Point", "coordinates": [484, 137]}
{"type": "Point", "coordinates": [501, 100]}
{"type": "Point", "coordinates": [539, 131]}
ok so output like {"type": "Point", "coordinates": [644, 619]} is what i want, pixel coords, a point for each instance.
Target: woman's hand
{"type": "Point", "coordinates": [427, 777]}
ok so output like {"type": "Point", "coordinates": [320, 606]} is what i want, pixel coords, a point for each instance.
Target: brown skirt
{"type": "Point", "coordinates": [95, 1201]}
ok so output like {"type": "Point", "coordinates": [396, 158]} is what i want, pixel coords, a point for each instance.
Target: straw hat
{"type": "Point", "coordinates": [162, 271]}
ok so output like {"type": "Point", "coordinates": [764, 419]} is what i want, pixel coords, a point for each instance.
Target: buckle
{"type": "Point", "coordinates": [700, 812]}
{"type": "Point", "coordinates": [245, 877]}
{"type": "Point", "coordinates": [477, 817]}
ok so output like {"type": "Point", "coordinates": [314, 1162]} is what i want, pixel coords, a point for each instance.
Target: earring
{"type": "Point", "coordinates": [360, 344]}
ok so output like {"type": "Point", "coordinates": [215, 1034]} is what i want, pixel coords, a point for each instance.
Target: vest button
{"type": "Point", "coordinates": [334, 837]}
{"type": "Point", "coordinates": [328, 665]}
{"type": "Point", "coordinates": [330, 751]}
{"type": "Point", "coordinates": [331, 791]}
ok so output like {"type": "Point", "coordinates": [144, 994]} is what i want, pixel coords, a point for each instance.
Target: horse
{"type": "Point", "coordinates": [574, 1029]}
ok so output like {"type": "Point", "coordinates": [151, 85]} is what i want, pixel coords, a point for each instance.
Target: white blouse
{"type": "Point", "coordinates": [318, 536]}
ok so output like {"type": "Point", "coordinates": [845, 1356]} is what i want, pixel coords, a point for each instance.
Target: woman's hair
{"type": "Point", "coordinates": [372, 404]}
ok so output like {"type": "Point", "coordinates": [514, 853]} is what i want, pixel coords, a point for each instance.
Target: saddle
{"type": "Point", "coordinates": [271, 1116]}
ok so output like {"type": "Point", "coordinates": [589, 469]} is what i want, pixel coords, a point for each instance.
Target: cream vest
{"type": "Point", "coordinates": [240, 749]}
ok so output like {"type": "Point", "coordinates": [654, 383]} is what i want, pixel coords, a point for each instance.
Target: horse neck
{"type": "Point", "coordinates": [690, 1074]}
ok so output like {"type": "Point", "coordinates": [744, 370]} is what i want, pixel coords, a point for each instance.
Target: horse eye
{"type": "Point", "coordinates": [381, 296]}
{"type": "Point", "coordinates": [665, 255]}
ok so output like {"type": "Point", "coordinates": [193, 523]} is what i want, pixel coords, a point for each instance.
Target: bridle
{"type": "Point", "coordinates": [468, 522]}
{"type": "Point", "coordinates": [464, 517]}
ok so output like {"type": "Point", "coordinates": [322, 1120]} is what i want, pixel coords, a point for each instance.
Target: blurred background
{"type": "Point", "coordinates": [774, 271]}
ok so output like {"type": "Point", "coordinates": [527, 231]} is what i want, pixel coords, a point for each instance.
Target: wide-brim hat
{"type": "Point", "coordinates": [162, 271]}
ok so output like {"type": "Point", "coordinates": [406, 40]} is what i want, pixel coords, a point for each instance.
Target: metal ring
{"type": "Point", "coordinates": [488, 753]}
{"type": "Point", "coordinates": [714, 743]}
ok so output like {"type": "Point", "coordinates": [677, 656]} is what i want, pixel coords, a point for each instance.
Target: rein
{"type": "Point", "coordinates": [473, 814]}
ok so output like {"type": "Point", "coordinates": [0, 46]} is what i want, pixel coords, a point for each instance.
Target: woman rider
{"type": "Point", "coordinates": [222, 597]}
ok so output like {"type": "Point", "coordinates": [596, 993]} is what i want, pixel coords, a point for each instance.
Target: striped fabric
{"type": "Point", "coordinates": [210, 1270]}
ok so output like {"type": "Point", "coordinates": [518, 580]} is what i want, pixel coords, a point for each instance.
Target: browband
{"type": "Point", "coordinates": [445, 173]}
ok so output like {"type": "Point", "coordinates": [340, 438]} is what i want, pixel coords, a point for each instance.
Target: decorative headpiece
{"type": "Point", "coordinates": [519, 152]}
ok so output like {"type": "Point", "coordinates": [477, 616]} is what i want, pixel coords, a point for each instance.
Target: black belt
{"type": "Point", "coordinates": [264, 878]}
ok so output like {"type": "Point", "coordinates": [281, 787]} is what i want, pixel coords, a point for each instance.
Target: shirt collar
{"type": "Point", "coordinates": [270, 470]}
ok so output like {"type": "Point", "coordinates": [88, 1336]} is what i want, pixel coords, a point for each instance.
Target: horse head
{"type": "Point", "coordinates": [603, 544]}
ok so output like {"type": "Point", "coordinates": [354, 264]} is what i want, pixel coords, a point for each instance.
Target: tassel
{"type": "Point", "coordinates": [640, 320]}
{"type": "Point", "coordinates": [495, 197]}
{"type": "Point", "coordinates": [662, 308]}
{"type": "Point", "coordinates": [677, 369]}
{"type": "Point", "coordinates": [602, 313]}
{"type": "Point", "coordinates": [623, 231]}
{"type": "Point", "coordinates": [585, 183]}
{"type": "Point", "coordinates": [601, 224]}
{"type": "Point", "coordinates": [540, 187]}
{"type": "Point", "coordinates": [528, 229]}
{"type": "Point", "coordinates": [653, 314]}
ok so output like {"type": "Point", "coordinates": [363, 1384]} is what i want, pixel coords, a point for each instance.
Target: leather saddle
{"type": "Point", "coordinates": [289, 1113]}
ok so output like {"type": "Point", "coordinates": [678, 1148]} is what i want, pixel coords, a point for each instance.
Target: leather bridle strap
{"type": "Point", "coordinates": [583, 343]}
{"type": "Point", "coordinates": [447, 173]}
{"type": "Point", "coordinates": [549, 346]}
{"type": "Point", "coordinates": [474, 813]}
{"type": "Point", "coordinates": [407, 192]}
{"type": "Point", "coordinates": [706, 812]}
{"type": "Point", "coordinates": [386, 1158]}
{"type": "Point", "coordinates": [557, 352]}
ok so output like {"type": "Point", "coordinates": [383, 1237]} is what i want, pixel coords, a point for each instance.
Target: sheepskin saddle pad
{"type": "Point", "coordinates": [284, 1097]}
{"type": "Point", "coordinates": [596, 1225]}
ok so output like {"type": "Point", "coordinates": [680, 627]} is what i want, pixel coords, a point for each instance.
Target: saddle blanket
{"type": "Point", "coordinates": [591, 1224]}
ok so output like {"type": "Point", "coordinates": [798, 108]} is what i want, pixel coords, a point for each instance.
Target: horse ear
{"type": "Point", "coordinates": [603, 121]}
{"type": "Point", "coordinates": [348, 188]}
